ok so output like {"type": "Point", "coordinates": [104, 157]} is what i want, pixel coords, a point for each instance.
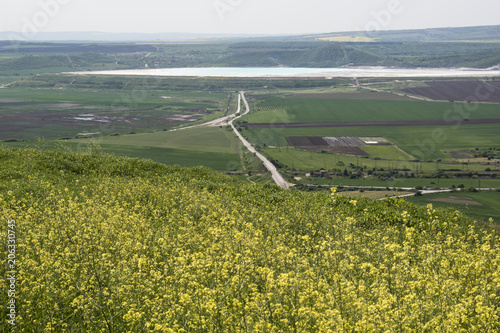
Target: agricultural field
{"type": "Point", "coordinates": [375, 147]}
{"type": "Point", "coordinates": [426, 149]}
{"type": "Point", "coordinates": [207, 139]}
{"type": "Point", "coordinates": [304, 160]}
{"type": "Point", "coordinates": [209, 146]}
{"type": "Point", "coordinates": [311, 110]}
{"type": "Point", "coordinates": [223, 162]}
{"type": "Point", "coordinates": [352, 93]}
{"type": "Point", "coordinates": [132, 122]}
{"type": "Point", "coordinates": [480, 205]}
{"type": "Point", "coordinates": [387, 153]}
{"type": "Point", "coordinates": [68, 113]}
{"type": "Point", "coordinates": [416, 141]}
{"type": "Point", "coordinates": [132, 116]}
{"type": "Point", "coordinates": [482, 91]}
{"type": "Point", "coordinates": [430, 182]}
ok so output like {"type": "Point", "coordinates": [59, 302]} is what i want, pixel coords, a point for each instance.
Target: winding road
{"type": "Point", "coordinates": [278, 179]}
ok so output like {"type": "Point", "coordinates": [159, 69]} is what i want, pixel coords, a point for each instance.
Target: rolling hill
{"type": "Point", "coordinates": [103, 243]}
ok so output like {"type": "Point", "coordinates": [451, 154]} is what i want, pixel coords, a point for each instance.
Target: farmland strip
{"type": "Point", "coordinates": [439, 122]}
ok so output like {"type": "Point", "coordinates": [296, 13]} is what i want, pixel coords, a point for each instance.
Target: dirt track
{"type": "Point", "coordinates": [440, 122]}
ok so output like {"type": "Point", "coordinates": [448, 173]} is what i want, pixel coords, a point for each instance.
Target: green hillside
{"type": "Point", "coordinates": [103, 243]}
{"type": "Point", "coordinates": [478, 33]}
{"type": "Point", "coordinates": [334, 50]}
{"type": "Point", "coordinates": [317, 55]}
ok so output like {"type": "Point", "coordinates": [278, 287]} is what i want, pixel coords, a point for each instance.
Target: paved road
{"type": "Point", "coordinates": [278, 179]}
{"type": "Point", "coordinates": [216, 122]}
{"type": "Point", "coordinates": [356, 83]}
{"type": "Point", "coordinates": [424, 192]}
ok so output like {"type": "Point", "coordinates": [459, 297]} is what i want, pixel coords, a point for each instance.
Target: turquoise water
{"type": "Point", "coordinates": [304, 72]}
{"type": "Point", "coordinates": [256, 71]}
{"type": "Point", "coordinates": [246, 71]}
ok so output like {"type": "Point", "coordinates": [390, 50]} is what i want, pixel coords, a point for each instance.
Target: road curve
{"type": "Point", "coordinates": [216, 122]}
{"type": "Point", "coordinates": [278, 179]}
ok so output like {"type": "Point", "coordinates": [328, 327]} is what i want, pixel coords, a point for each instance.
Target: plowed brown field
{"type": "Point", "coordinates": [474, 91]}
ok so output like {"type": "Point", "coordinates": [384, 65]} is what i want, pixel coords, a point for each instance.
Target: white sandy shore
{"type": "Point", "coordinates": [303, 72]}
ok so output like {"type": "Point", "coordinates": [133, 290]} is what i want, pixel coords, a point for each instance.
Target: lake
{"type": "Point", "coordinates": [302, 72]}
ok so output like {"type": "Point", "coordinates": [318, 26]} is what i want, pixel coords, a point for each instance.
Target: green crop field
{"type": "Point", "coordinates": [190, 158]}
{"type": "Point", "coordinates": [140, 96]}
{"type": "Point", "coordinates": [387, 152]}
{"type": "Point", "coordinates": [479, 204]}
{"type": "Point", "coordinates": [204, 139]}
{"type": "Point", "coordinates": [424, 143]}
{"type": "Point", "coordinates": [310, 160]}
{"type": "Point", "coordinates": [218, 161]}
{"type": "Point", "coordinates": [298, 110]}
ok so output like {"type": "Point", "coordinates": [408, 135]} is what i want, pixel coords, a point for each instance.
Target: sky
{"type": "Point", "coordinates": [254, 17]}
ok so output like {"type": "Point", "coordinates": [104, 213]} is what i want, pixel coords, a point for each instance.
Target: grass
{"type": "Point", "coordinates": [137, 94]}
{"type": "Point", "coordinates": [350, 93]}
{"type": "Point", "coordinates": [309, 160]}
{"type": "Point", "coordinates": [488, 203]}
{"type": "Point", "coordinates": [169, 156]}
{"type": "Point", "coordinates": [203, 139]}
{"type": "Point", "coordinates": [332, 110]}
{"type": "Point", "coordinates": [387, 153]}
{"type": "Point", "coordinates": [269, 116]}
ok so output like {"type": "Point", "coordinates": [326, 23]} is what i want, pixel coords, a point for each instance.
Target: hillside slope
{"type": "Point", "coordinates": [325, 55]}
{"type": "Point", "coordinates": [117, 244]}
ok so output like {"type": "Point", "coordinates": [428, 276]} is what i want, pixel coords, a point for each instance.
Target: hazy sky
{"type": "Point", "coordinates": [243, 16]}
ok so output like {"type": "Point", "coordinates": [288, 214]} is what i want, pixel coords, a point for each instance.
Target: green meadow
{"type": "Point", "coordinates": [204, 139]}
{"type": "Point", "coordinates": [478, 204]}
{"type": "Point", "coordinates": [298, 110]}
{"type": "Point", "coordinates": [208, 146]}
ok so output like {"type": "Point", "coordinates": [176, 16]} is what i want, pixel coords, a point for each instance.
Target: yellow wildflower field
{"type": "Point", "coordinates": [108, 244]}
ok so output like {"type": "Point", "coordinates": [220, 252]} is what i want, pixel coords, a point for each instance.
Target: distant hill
{"type": "Point", "coordinates": [337, 55]}
{"type": "Point", "coordinates": [481, 33]}
{"type": "Point", "coordinates": [486, 33]}
{"type": "Point", "coordinates": [96, 36]}
{"type": "Point", "coordinates": [476, 47]}
{"type": "Point", "coordinates": [354, 54]}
